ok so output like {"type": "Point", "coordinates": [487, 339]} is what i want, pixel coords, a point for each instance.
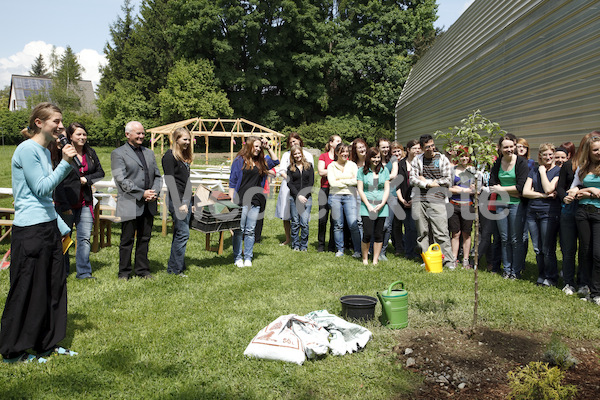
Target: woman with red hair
{"type": "Point", "coordinates": [246, 181]}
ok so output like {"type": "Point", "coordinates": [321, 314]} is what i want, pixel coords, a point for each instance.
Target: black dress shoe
{"type": "Point", "coordinates": [147, 276]}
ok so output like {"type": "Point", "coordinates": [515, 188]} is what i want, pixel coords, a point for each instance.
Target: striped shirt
{"type": "Point", "coordinates": [436, 168]}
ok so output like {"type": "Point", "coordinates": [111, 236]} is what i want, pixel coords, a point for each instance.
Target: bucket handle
{"type": "Point", "coordinates": [395, 283]}
{"type": "Point", "coordinates": [434, 245]}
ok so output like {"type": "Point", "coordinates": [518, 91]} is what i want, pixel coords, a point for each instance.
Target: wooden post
{"type": "Point", "coordinates": [164, 212]}
{"type": "Point", "coordinates": [206, 140]}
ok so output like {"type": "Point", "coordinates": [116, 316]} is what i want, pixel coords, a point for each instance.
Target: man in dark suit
{"type": "Point", "coordinates": [138, 180]}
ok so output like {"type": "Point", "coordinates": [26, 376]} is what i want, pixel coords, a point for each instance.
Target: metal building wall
{"type": "Point", "coordinates": [531, 65]}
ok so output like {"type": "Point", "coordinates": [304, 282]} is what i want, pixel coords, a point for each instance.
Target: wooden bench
{"type": "Point", "coordinates": [6, 222]}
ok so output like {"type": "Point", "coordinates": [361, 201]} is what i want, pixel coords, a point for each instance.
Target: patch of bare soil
{"type": "Point", "coordinates": [474, 364]}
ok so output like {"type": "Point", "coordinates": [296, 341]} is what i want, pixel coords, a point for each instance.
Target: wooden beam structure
{"type": "Point", "coordinates": [226, 128]}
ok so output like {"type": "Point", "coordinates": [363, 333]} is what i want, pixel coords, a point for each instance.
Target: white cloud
{"type": "Point", "coordinates": [91, 61]}
{"type": "Point", "coordinates": [20, 63]}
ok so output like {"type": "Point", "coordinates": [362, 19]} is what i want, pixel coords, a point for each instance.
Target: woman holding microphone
{"type": "Point", "coordinates": [35, 313]}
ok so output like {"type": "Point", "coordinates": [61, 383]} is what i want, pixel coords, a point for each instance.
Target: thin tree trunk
{"type": "Point", "coordinates": [476, 260]}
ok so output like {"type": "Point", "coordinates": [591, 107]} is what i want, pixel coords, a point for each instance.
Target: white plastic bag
{"type": "Point", "coordinates": [293, 338]}
{"type": "Point", "coordinates": [277, 341]}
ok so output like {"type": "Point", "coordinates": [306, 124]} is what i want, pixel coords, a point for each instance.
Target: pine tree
{"type": "Point", "coordinates": [65, 90]}
{"type": "Point", "coordinates": [39, 67]}
{"type": "Point", "coordinates": [54, 59]}
{"type": "Point", "coordinates": [69, 70]}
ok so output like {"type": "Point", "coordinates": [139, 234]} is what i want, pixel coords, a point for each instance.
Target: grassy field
{"type": "Point", "coordinates": [176, 337]}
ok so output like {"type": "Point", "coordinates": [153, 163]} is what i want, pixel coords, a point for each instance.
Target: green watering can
{"type": "Point", "coordinates": [394, 306]}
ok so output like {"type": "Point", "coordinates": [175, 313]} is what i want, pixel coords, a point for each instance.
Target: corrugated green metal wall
{"type": "Point", "coordinates": [532, 66]}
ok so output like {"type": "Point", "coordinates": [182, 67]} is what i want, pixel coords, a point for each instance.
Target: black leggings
{"type": "Point", "coordinates": [372, 228]}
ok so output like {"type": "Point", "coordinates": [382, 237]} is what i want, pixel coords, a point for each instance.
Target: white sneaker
{"type": "Point", "coordinates": [339, 253]}
{"type": "Point", "coordinates": [239, 263]}
{"type": "Point", "coordinates": [584, 291]}
{"type": "Point", "coordinates": [248, 263]}
{"type": "Point", "coordinates": [569, 290]}
{"type": "Point", "coordinates": [596, 300]}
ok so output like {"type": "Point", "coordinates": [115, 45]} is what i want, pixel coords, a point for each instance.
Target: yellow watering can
{"type": "Point", "coordinates": [433, 258]}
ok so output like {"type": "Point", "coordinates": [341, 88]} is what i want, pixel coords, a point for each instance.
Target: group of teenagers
{"type": "Point", "coordinates": [415, 195]}
{"type": "Point", "coordinates": [410, 196]}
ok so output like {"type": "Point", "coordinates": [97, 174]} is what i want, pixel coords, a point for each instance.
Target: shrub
{"type": "Point", "coordinates": [558, 354]}
{"type": "Point", "coordinates": [537, 381]}
{"type": "Point", "coordinates": [317, 134]}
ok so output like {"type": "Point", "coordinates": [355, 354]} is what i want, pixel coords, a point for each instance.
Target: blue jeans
{"type": "Point", "coordinates": [344, 205]}
{"type": "Point", "coordinates": [300, 217]}
{"type": "Point", "coordinates": [245, 233]}
{"type": "Point", "coordinates": [543, 229]}
{"type": "Point", "coordinates": [387, 226]}
{"type": "Point", "coordinates": [511, 235]}
{"type": "Point", "coordinates": [83, 220]}
{"type": "Point", "coordinates": [181, 235]}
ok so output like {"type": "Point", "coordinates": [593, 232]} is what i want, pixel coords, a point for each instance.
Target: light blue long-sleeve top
{"type": "Point", "coordinates": [33, 181]}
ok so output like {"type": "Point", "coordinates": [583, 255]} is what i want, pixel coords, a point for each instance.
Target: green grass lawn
{"type": "Point", "coordinates": [184, 338]}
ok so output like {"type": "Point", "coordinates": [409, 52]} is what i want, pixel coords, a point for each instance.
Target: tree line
{"type": "Point", "coordinates": [309, 65]}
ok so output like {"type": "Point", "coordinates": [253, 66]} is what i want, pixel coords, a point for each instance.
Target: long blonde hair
{"type": "Point", "coordinates": [305, 164]}
{"type": "Point", "coordinates": [586, 165]}
{"type": "Point", "coordinates": [186, 155]}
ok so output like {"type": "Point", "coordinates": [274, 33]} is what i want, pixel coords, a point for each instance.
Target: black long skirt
{"type": "Point", "coordinates": [35, 313]}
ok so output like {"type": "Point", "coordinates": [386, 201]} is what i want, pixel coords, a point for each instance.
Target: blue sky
{"type": "Point", "coordinates": [32, 27]}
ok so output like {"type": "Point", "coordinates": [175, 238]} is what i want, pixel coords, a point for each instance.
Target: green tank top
{"type": "Point", "coordinates": [589, 181]}
{"type": "Point", "coordinates": [509, 178]}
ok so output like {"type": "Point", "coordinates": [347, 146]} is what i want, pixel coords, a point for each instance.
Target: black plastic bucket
{"type": "Point", "coordinates": [358, 307]}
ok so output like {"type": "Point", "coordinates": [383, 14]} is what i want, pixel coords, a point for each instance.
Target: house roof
{"type": "Point", "coordinates": [23, 86]}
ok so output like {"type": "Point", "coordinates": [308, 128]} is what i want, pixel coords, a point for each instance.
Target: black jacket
{"type": "Point", "coordinates": [181, 174]}
{"type": "Point", "coordinates": [298, 180]}
{"type": "Point", "coordinates": [67, 193]}
{"type": "Point", "coordinates": [404, 187]}
{"type": "Point", "coordinates": [565, 179]}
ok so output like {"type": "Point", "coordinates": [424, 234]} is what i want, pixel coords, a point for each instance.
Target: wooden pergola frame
{"type": "Point", "coordinates": [230, 128]}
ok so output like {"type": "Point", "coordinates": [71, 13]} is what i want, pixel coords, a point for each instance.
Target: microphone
{"type": "Point", "coordinates": [64, 141]}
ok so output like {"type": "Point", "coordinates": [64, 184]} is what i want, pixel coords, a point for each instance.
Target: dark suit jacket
{"type": "Point", "coordinates": [128, 173]}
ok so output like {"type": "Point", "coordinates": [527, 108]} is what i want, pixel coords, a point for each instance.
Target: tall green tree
{"type": "Point", "coordinates": [125, 103]}
{"type": "Point", "coordinates": [65, 89]}
{"type": "Point", "coordinates": [280, 62]}
{"type": "Point", "coordinates": [373, 52]}
{"type": "Point", "coordinates": [192, 91]}
{"type": "Point", "coordinates": [118, 67]}
{"type": "Point", "coordinates": [38, 68]}
{"type": "Point", "coordinates": [54, 61]}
